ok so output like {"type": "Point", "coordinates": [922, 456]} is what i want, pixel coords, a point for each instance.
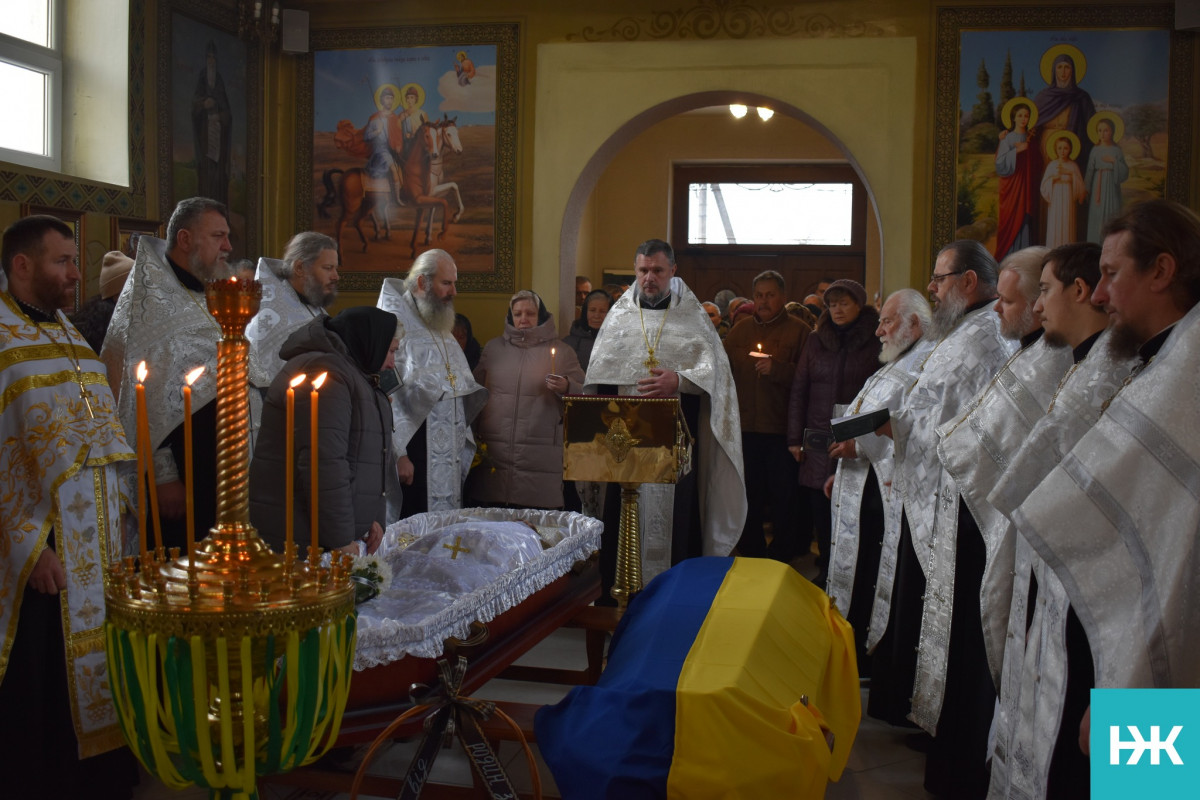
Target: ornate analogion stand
{"type": "Point", "coordinates": [231, 661]}
{"type": "Point", "coordinates": [630, 441]}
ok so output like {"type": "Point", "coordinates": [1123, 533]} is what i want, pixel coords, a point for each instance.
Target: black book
{"type": "Point", "coordinates": [854, 425]}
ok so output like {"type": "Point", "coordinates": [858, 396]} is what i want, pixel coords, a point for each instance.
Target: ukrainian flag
{"type": "Point", "coordinates": [727, 678]}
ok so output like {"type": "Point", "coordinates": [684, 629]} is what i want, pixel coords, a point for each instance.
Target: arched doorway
{"type": "Point", "coordinates": [635, 165]}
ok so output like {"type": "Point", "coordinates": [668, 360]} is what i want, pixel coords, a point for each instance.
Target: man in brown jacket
{"type": "Point", "coordinates": [763, 351]}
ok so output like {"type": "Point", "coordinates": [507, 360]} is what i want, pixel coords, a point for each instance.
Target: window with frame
{"type": "Point", "coordinates": [31, 66]}
{"type": "Point", "coordinates": [768, 208]}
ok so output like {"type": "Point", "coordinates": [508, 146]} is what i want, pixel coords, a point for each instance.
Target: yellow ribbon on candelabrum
{"type": "Point", "coordinates": [276, 705]}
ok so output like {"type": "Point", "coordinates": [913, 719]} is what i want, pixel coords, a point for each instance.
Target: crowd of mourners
{"type": "Point", "coordinates": [1014, 526]}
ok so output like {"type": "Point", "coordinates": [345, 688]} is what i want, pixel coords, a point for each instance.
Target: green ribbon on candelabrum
{"type": "Point", "coordinates": [217, 712]}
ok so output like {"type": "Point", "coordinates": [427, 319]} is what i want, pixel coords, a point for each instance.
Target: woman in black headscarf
{"type": "Point", "coordinates": [354, 433]}
{"type": "Point", "coordinates": [583, 330]}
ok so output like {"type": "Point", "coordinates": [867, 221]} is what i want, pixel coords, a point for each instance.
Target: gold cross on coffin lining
{"type": "Point", "coordinates": [456, 548]}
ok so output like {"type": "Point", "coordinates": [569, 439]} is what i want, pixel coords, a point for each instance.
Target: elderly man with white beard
{"type": "Point", "coordinates": [866, 510]}
{"type": "Point", "coordinates": [1047, 669]}
{"type": "Point", "coordinates": [437, 397]}
{"type": "Point", "coordinates": [969, 351]}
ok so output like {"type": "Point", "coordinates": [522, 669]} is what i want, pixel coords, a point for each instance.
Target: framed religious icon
{"type": "Point", "coordinates": [406, 141]}
{"type": "Point", "coordinates": [209, 118]}
{"type": "Point", "coordinates": [74, 220]}
{"type": "Point", "coordinates": [1051, 120]}
{"type": "Point", "coordinates": [126, 232]}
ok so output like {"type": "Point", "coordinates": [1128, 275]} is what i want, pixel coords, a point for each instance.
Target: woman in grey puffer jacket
{"type": "Point", "coordinates": [522, 421]}
{"type": "Point", "coordinates": [354, 434]}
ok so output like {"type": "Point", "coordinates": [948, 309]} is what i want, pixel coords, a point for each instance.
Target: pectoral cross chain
{"type": "Point", "coordinates": [84, 393]}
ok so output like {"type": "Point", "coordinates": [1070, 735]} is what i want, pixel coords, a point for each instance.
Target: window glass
{"type": "Point", "coordinates": [24, 93]}
{"type": "Point", "coordinates": [28, 20]}
{"type": "Point", "coordinates": [771, 213]}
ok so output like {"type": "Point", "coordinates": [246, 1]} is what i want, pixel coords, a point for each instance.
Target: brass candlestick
{"type": "Point", "coordinates": [239, 665]}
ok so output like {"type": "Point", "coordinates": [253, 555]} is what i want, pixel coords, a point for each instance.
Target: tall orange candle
{"type": "Point", "coordinates": [189, 379]}
{"type": "Point", "coordinates": [313, 488]}
{"type": "Point", "coordinates": [552, 352]}
{"type": "Point", "coordinates": [144, 435]}
{"type": "Point", "coordinates": [291, 459]}
{"type": "Point", "coordinates": [141, 461]}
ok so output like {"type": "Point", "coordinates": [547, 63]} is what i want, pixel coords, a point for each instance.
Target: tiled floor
{"type": "Point", "coordinates": [881, 767]}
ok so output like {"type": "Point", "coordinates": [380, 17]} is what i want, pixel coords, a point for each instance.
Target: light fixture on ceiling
{"type": "Point", "coordinates": [740, 110]}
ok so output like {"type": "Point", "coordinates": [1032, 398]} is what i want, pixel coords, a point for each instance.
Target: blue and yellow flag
{"type": "Point", "coordinates": [726, 678]}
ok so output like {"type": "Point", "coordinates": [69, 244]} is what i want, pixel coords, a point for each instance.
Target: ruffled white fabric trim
{"type": "Point", "coordinates": [386, 633]}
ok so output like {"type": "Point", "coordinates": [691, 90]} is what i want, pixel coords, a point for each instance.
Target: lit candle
{"type": "Point", "coordinates": [189, 379]}
{"type": "Point", "coordinates": [552, 352]}
{"type": "Point", "coordinates": [144, 434]}
{"type": "Point", "coordinates": [316, 384]}
{"type": "Point", "coordinates": [141, 461]}
{"type": "Point", "coordinates": [291, 458]}
{"type": "Point", "coordinates": [760, 347]}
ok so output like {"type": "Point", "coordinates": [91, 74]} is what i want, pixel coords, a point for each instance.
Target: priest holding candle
{"type": "Point", "coordinates": [339, 435]}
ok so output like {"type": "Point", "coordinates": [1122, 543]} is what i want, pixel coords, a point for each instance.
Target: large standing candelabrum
{"type": "Point", "coordinates": [235, 663]}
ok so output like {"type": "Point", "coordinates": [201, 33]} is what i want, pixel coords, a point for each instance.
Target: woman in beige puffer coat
{"type": "Point", "coordinates": [522, 422]}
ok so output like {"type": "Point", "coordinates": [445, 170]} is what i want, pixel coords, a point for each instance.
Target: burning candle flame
{"type": "Point", "coordinates": [296, 381]}
{"type": "Point", "coordinates": [142, 372]}
{"type": "Point", "coordinates": [319, 380]}
{"type": "Point", "coordinates": [194, 375]}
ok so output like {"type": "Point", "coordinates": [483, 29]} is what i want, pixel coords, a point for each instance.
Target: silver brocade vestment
{"type": "Point", "coordinates": [279, 314]}
{"type": "Point", "coordinates": [159, 321]}
{"type": "Point", "coordinates": [959, 367]}
{"type": "Point", "coordinates": [689, 346]}
{"type": "Point", "coordinates": [884, 389]}
{"type": "Point", "coordinates": [975, 450]}
{"type": "Point", "coordinates": [1034, 674]}
{"type": "Point", "coordinates": [1118, 522]}
{"type": "Point", "coordinates": [425, 362]}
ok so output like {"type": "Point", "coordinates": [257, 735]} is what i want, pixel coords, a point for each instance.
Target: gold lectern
{"type": "Point", "coordinates": [630, 441]}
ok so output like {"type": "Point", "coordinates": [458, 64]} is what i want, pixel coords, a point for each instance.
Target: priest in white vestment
{"type": "Point", "coordinates": [1047, 668]}
{"type": "Point", "coordinates": [162, 318]}
{"type": "Point", "coordinates": [657, 341]}
{"type": "Point", "coordinates": [1118, 520]}
{"type": "Point", "coordinates": [866, 508]}
{"type": "Point", "coordinates": [969, 352]}
{"type": "Point", "coordinates": [437, 398]}
{"type": "Point", "coordinates": [295, 290]}
{"type": "Point", "coordinates": [61, 445]}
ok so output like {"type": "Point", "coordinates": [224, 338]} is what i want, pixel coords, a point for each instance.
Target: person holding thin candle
{"type": "Point", "coordinates": [763, 350]}
{"type": "Point", "coordinates": [525, 371]}
{"type": "Point", "coordinates": [353, 435]}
